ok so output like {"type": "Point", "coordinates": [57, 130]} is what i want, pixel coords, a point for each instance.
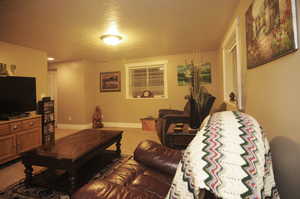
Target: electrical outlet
{"type": "Point", "coordinates": [69, 118]}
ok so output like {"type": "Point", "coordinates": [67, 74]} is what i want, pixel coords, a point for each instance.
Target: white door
{"type": "Point", "coordinates": [52, 83]}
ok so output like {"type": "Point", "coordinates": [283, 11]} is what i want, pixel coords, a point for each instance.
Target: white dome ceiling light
{"type": "Point", "coordinates": [111, 39]}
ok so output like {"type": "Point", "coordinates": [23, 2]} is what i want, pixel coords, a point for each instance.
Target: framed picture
{"type": "Point", "coordinates": [271, 31]}
{"type": "Point", "coordinates": [110, 81]}
{"type": "Point", "coordinates": [205, 73]}
{"type": "Point", "coordinates": [184, 74]}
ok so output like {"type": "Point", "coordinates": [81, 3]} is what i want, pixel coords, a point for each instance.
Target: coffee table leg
{"type": "Point", "coordinates": [28, 173]}
{"type": "Point", "coordinates": [118, 145]}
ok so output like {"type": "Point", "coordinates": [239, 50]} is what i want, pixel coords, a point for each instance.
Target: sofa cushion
{"type": "Point", "coordinates": [158, 157]}
{"type": "Point", "coordinates": [152, 183]}
{"type": "Point", "coordinates": [134, 174]}
{"type": "Point", "coordinates": [126, 180]}
{"type": "Point", "coordinates": [101, 189]}
{"type": "Point", "coordinates": [125, 173]}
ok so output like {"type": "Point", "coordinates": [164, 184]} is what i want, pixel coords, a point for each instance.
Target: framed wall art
{"type": "Point", "coordinates": [184, 74]}
{"type": "Point", "coordinates": [205, 73]}
{"type": "Point", "coordinates": [110, 81]}
{"type": "Point", "coordinates": [271, 31]}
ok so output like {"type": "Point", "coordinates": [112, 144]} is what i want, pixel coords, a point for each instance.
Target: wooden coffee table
{"type": "Point", "coordinates": [71, 153]}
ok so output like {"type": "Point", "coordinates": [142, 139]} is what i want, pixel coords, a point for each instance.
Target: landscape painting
{"type": "Point", "coordinates": [110, 81]}
{"type": "Point", "coordinates": [205, 73]}
{"type": "Point", "coordinates": [271, 30]}
{"type": "Point", "coordinates": [184, 74]}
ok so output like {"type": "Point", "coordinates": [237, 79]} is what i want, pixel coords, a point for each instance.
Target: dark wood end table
{"type": "Point", "coordinates": [179, 139]}
{"type": "Point", "coordinates": [71, 153]}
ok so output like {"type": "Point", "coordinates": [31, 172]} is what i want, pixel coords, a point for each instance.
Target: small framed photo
{"type": "Point", "coordinates": [110, 81]}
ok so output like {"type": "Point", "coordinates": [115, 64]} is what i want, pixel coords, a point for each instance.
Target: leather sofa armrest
{"type": "Point", "coordinates": [101, 189]}
{"type": "Point", "coordinates": [157, 156]}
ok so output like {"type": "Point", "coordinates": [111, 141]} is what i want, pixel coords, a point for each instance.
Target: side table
{"type": "Point", "coordinates": [179, 139]}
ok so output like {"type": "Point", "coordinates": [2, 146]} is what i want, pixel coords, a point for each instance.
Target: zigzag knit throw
{"type": "Point", "coordinates": [230, 157]}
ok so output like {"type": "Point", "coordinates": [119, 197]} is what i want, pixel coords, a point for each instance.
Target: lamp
{"type": "Point", "coordinates": [110, 39]}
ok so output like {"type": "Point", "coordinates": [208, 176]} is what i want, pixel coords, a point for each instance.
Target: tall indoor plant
{"type": "Point", "coordinates": [196, 96]}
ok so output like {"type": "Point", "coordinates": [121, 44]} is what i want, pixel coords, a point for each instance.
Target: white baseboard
{"type": "Point", "coordinates": [74, 126]}
{"type": "Point", "coordinates": [106, 124]}
{"type": "Point", "coordinates": [122, 125]}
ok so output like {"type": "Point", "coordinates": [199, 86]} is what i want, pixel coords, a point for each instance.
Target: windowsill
{"type": "Point", "coordinates": [147, 98]}
{"type": "Point", "coordinates": [231, 106]}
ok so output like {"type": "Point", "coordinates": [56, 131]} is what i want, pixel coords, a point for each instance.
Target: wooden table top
{"type": "Point", "coordinates": [74, 146]}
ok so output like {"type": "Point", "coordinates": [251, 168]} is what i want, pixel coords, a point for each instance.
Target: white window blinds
{"type": "Point", "coordinates": [146, 78]}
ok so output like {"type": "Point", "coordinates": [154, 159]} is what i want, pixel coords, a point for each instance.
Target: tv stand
{"type": "Point", "coordinates": [19, 135]}
{"type": "Point", "coordinates": [12, 116]}
{"type": "Point", "coordinates": [18, 115]}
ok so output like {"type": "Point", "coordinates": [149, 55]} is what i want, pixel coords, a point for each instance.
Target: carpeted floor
{"type": "Point", "coordinates": [13, 172]}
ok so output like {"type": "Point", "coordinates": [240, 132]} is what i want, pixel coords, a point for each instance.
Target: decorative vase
{"type": "Point", "coordinates": [195, 120]}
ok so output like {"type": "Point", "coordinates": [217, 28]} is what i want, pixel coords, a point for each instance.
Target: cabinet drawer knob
{"type": "Point", "coordinates": [15, 127]}
{"type": "Point", "coordinates": [31, 123]}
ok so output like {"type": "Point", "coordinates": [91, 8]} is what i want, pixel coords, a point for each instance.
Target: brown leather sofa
{"type": "Point", "coordinates": [147, 175]}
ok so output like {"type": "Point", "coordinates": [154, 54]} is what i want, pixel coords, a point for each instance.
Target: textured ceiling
{"type": "Point", "coordinates": [70, 29]}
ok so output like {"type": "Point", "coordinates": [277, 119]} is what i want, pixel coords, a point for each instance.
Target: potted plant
{"type": "Point", "coordinates": [196, 96]}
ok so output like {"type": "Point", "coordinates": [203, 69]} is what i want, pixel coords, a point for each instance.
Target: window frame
{"type": "Point", "coordinates": [143, 65]}
{"type": "Point", "coordinates": [232, 41]}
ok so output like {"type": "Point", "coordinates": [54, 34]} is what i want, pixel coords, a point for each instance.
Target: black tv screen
{"type": "Point", "coordinates": [18, 94]}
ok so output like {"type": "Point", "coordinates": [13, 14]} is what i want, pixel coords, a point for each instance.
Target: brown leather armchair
{"type": "Point", "coordinates": [168, 116]}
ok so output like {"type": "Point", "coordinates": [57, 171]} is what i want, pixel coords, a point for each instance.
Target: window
{"type": "Point", "coordinates": [232, 68]}
{"type": "Point", "coordinates": [146, 80]}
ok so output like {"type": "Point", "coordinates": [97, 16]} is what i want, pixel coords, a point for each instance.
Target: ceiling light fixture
{"type": "Point", "coordinates": [111, 39]}
{"type": "Point", "coordinates": [51, 59]}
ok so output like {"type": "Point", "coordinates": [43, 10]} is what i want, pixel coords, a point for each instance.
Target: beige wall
{"type": "Point", "coordinates": [29, 62]}
{"type": "Point", "coordinates": [76, 91]}
{"type": "Point", "coordinates": [91, 90]}
{"type": "Point", "coordinates": [272, 97]}
{"type": "Point", "coordinates": [115, 106]}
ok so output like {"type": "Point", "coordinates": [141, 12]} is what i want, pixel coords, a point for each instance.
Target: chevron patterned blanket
{"type": "Point", "coordinates": [230, 157]}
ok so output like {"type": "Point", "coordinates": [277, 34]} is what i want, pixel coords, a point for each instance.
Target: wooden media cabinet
{"type": "Point", "coordinates": [19, 135]}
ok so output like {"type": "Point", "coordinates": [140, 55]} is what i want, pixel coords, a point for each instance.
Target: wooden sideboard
{"type": "Point", "coordinates": [19, 135]}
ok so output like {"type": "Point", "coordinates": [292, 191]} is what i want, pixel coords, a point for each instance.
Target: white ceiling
{"type": "Point", "coordinates": [70, 29]}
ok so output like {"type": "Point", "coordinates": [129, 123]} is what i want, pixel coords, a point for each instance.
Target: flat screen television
{"type": "Point", "coordinates": [17, 95]}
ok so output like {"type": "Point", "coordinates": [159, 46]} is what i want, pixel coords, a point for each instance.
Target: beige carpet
{"type": "Point", "coordinates": [131, 137]}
